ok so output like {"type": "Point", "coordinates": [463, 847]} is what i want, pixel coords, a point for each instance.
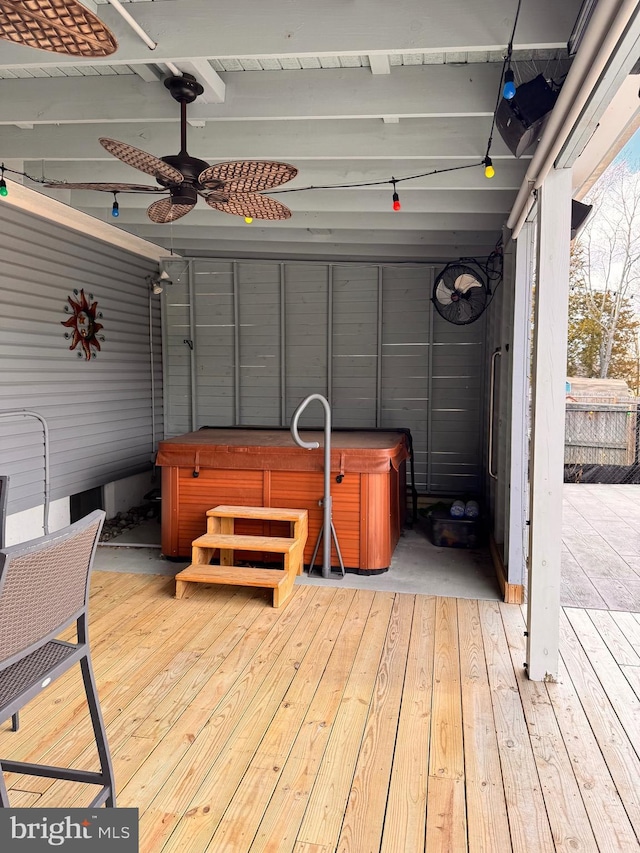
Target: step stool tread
{"type": "Point", "coordinates": [242, 542]}
{"type": "Point", "coordinates": [236, 575]}
{"type": "Point", "coordinates": [265, 513]}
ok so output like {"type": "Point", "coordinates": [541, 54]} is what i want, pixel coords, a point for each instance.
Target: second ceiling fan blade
{"type": "Point", "coordinates": [163, 211]}
{"type": "Point", "coordinates": [248, 176]}
{"type": "Point", "coordinates": [141, 160]}
{"type": "Point", "coordinates": [252, 205]}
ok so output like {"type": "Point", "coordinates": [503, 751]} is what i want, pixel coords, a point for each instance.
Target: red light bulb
{"type": "Point", "coordinates": [396, 202]}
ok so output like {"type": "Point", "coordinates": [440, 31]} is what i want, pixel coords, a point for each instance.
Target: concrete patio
{"type": "Point", "coordinates": [601, 547]}
{"type": "Point", "coordinates": [600, 558]}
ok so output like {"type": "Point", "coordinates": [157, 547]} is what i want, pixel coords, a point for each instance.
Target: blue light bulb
{"type": "Point", "coordinates": [115, 210]}
{"type": "Point", "coordinates": [509, 88]}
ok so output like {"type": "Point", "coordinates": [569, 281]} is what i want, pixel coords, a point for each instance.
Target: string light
{"type": "Point", "coordinates": [503, 92]}
{"type": "Point", "coordinates": [489, 171]}
{"type": "Point", "coordinates": [509, 88]}
{"type": "Point", "coordinates": [506, 90]}
{"type": "Point", "coordinates": [395, 197]}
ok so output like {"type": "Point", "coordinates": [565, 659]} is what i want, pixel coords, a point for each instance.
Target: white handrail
{"type": "Point", "coordinates": [313, 445]}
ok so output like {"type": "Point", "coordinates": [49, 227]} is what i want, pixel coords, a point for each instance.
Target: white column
{"type": "Point", "coordinates": [519, 415]}
{"type": "Point", "coordinates": [547, 436]}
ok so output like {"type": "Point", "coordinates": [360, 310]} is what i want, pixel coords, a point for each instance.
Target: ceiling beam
{"type": "Point", "coordinates": [410, 92]}
{"type": "Point", "coordinates": [188, 29]}
{"type": "Point", "coordinates": [331, 250]}
{"type": "Point", "coordinates": [241, 231]}
{"type": "Point", "coordinates": [148, 73]}
{"type": "Point", "coordinates": [367, 139]}
{"type": "Point", "coordinates": [379, 63]}
{"type": "Point", "coordinates": [203, 217]}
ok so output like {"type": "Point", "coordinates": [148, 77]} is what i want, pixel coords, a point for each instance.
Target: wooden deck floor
{"type": "Point", "coordinates": [601, 546]}
{"type": "Point", "coordinates": [349, 721]}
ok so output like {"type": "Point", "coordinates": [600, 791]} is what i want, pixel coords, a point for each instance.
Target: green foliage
{"type": "Point", "coordinates": [589, 321]}
{"type": "Point", "coordinates": [604, 329]}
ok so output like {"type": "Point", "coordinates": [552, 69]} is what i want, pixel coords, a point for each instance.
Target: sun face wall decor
{"type": "Point", "coordinates": [84, 324]}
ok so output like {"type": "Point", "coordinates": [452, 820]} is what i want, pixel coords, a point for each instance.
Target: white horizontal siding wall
{"type": "Point", "coordinates": [266, 334]}
{"type": "Point", "coordinates": [98, 411]}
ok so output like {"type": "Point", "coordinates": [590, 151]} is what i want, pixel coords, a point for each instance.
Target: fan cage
{"type": "Point", "coordinates": [470, 303]}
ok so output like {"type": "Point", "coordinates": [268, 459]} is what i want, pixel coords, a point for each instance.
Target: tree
{"type": "Point", "coordinates": [605, 281]}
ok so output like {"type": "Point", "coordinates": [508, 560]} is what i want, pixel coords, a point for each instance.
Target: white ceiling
{"type": "Point", "coordinates": [347, 91]}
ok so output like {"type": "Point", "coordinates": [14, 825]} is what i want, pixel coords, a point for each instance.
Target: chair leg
{"type": "Point", "coordinates": [4, 796]}
{"type": "Point", "coordinates": [98, 730]}
{"type": "Point", "coordinates": [15, 721]}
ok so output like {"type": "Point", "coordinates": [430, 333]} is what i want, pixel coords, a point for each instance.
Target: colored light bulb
{"type": "Point", "coordinates": [489, 171]}
{"type": "Point", "coordinates": [115, 210]}
{"type": "Point", "coordinates": [396, 202]}
{"type": "Point", "coordinates": [248, 219]}
{"type": "Point", "coordinates": [3, 188]}
{"type": "Point", "coordinates": [509, 88]}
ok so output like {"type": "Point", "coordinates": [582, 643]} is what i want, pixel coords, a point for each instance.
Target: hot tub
{"type": "Point", "coordinates": [264, 467]}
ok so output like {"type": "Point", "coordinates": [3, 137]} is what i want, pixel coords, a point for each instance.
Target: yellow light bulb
{"type": "Point", "coordinates": [489, 171]}
{"type": "Point", "coordinates": [248, 219]}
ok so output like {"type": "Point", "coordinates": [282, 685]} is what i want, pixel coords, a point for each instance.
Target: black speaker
{"type": "Point", "coordinates": [579, 215]}
{"type": "Point", "coordinates": [520, 120]}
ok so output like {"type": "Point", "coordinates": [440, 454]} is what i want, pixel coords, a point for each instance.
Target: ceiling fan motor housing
{"type": "Point", "coordinates": [184, 88]}
{"type": "Point", "coordinates": [184, 194]}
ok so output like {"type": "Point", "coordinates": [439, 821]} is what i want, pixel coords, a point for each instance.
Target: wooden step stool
{"type": "Point", "coordinates": [220, 534]}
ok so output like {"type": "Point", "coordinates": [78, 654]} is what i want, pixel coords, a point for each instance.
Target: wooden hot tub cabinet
{"type": "Point", "coordinates": [264, 467]}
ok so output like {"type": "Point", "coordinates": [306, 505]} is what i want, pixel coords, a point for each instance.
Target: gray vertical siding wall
{"type": "Point", "coordinates": [266, 334]}
{"type": "Point", "coordinates": [98, 411]}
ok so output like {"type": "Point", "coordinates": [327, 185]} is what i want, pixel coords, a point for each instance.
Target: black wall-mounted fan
{"type": "Point", "coordinates": [460, 294]}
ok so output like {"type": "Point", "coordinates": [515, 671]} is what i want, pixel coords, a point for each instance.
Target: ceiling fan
{"type": "Point", "coordinates": [234, 187]}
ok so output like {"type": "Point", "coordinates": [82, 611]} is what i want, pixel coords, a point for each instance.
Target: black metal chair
{"type": "Point", "coordinates": [44, 588]}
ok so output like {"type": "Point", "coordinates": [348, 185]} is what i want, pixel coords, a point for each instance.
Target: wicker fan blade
{"type": "Point", "coordinates": [162, 211]}
{"type": "Point", "coordinates": [141, 160]}
{"type": "Point", "coordinates": [248, 176]}
{"type": "Point", "coordinates": [59, 26]}
{"type": "Point", "coordinates": [105, 188]}
{"type": "Point", "coordinates": [252, 204]}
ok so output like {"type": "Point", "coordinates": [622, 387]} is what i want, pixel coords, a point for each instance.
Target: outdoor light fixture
{"type": "Point", "coordinates": [115, 208]}
{"type": "Point", "coordinates": [3, 184]}
{"type": "Point", "coordinates": [157, 283]}
{"type": "Point", "coordinates": [489, 171]}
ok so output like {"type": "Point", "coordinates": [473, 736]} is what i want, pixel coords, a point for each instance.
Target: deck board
{"type": "Point", "coordinates": [347, 722]}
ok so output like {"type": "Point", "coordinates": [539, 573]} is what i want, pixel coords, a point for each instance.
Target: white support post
{"type": "Point", "coordinates": [548, 415]}
{"type": "Point", "coordinates": [519, 415]}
